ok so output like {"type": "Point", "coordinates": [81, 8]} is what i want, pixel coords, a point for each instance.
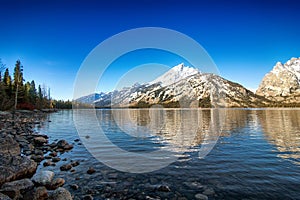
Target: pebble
{"type": "Point", "coordinates": [91, 170]}
{"type": "Point", "coordinates": [66, 167]}
{"type": "Point", "coordinates": [74, 187]}
{"type": "Point", "coordinates": [163, 188]}
{"type": "Point", "coordinates": [56, 159]}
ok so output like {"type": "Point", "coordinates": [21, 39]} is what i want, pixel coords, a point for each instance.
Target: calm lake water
{"type": "Point", "coordinates": [224, 154]}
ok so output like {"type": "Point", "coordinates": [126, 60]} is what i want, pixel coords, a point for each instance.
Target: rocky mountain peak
{"type": "Point", "coordinates": [282, 83]}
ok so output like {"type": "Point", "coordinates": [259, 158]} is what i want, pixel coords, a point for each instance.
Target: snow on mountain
{"type": "Point", "coordinates": [282, 83]}
{"type": "Point", "coordinates": [183, 86]}
{"type": "Point", "coordinates": [175, 74]}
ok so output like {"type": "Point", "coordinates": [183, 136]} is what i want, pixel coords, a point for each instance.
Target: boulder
{"type": "Point", "coordinates": [15, 167]}
{"type": "Point", "coordinates": [43, 177]}
{"type": "Point", "coordinates": [15, 188]}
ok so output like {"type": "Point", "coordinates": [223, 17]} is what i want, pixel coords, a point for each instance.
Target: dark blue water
{"type": "Point", "coordinates": [256, 154]}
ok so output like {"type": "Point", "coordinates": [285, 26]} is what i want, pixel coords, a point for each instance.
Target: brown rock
{"type": "Point", "coordinates": [56, 183]}
{"type": "Point", "coordinates": [66, 167]}
{"type": "Point", "coordinates": [40, 140]}
{"type": "Point", "coordinates": [91, 170]}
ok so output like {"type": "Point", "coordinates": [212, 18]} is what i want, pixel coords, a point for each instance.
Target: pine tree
{"type": "Point", "coordinates": [18, 80]}
{"type": "Point", "coordinates": [32, 93]}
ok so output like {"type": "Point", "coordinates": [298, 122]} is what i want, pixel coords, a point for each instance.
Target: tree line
{"type": "Point", "coordinates": [15, 93]}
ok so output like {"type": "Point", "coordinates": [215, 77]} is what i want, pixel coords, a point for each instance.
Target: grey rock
{"type": "Point", "coordinates": [43, 177]}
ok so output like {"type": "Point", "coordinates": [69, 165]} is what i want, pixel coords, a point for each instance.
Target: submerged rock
{"type": "Point", "coordinates": [66, 167]}
{"type": "Point", "coordinates": [91, 170]}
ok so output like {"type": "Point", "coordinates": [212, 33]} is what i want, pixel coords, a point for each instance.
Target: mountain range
{"type": "Point", "coordinates": [184, 86]}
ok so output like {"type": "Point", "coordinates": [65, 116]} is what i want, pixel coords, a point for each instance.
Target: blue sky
{"type": "Point", "coordinates": [52, 38]}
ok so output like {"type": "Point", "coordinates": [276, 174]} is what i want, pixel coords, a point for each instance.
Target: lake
{"type": "Point", "coordinates": [181, 153]}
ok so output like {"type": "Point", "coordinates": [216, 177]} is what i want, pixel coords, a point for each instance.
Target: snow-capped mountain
{"type": "Point", "coordinates": [183, 86]}
{"type": "Point", "coordinates": [175, 74]}
{"type": "Point", "coordinates": [282, 83]}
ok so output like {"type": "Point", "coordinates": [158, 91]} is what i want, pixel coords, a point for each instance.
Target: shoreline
{"type": "Point", "coordinates": [21, 152]}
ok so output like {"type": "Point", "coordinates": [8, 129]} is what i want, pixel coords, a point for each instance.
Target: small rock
{"type": "Point", "coordinates": [52, 145]}
{"type": "Point", "coordinates": [66, 167]}
{"type": "Point", "coordinates": [88, 197]}
{"type": "Point", "coordinates": [47, 163]}
{"type": "Point", "coordinates": [91, 170]}
{"type": "Point", "coordinates": [48, 157]}
{"type": "Point", "coordinates": [65, 159]}
{"type": "Point", "coordinates": [37, 158]}
{"type": "Point", "coordinates": [74, 187]}
{"type": "Point", "coordinates": [40, 140]}
{"type": "Point", "coordinates": [68, 147]}
{"type": "Point", "coordinates": [72, 170]}
{"type": "Point", "coordinates": [56, 183]}
{"type": "Point", "coordinates": [38, 152]}
{"type": "Point", "coordinates": [61, 143]}
{"type": "Point", "coordinates": [75, 163]}
{"type": "Point", "coordinates": [163, 188]}
{"type": "Point", "coordinates": [56, 159]}
{"type": "Point", "coordinates": [201, 197]}
{"type": "Point", "coordinates": [43, 177]}
{"type": "Point", "coordinates": [76, 140]}
{"type": "Point", "coordinates": [60, 194]}
{"type": "Point", "coordinates": [53, 154]}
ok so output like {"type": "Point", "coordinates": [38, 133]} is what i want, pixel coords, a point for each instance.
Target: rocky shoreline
{"type": "Point", "coordinates": [21, 151]}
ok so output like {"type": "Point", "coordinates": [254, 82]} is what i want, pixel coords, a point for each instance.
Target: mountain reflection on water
{"type": "Point", "coordinates": [282, 129]}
